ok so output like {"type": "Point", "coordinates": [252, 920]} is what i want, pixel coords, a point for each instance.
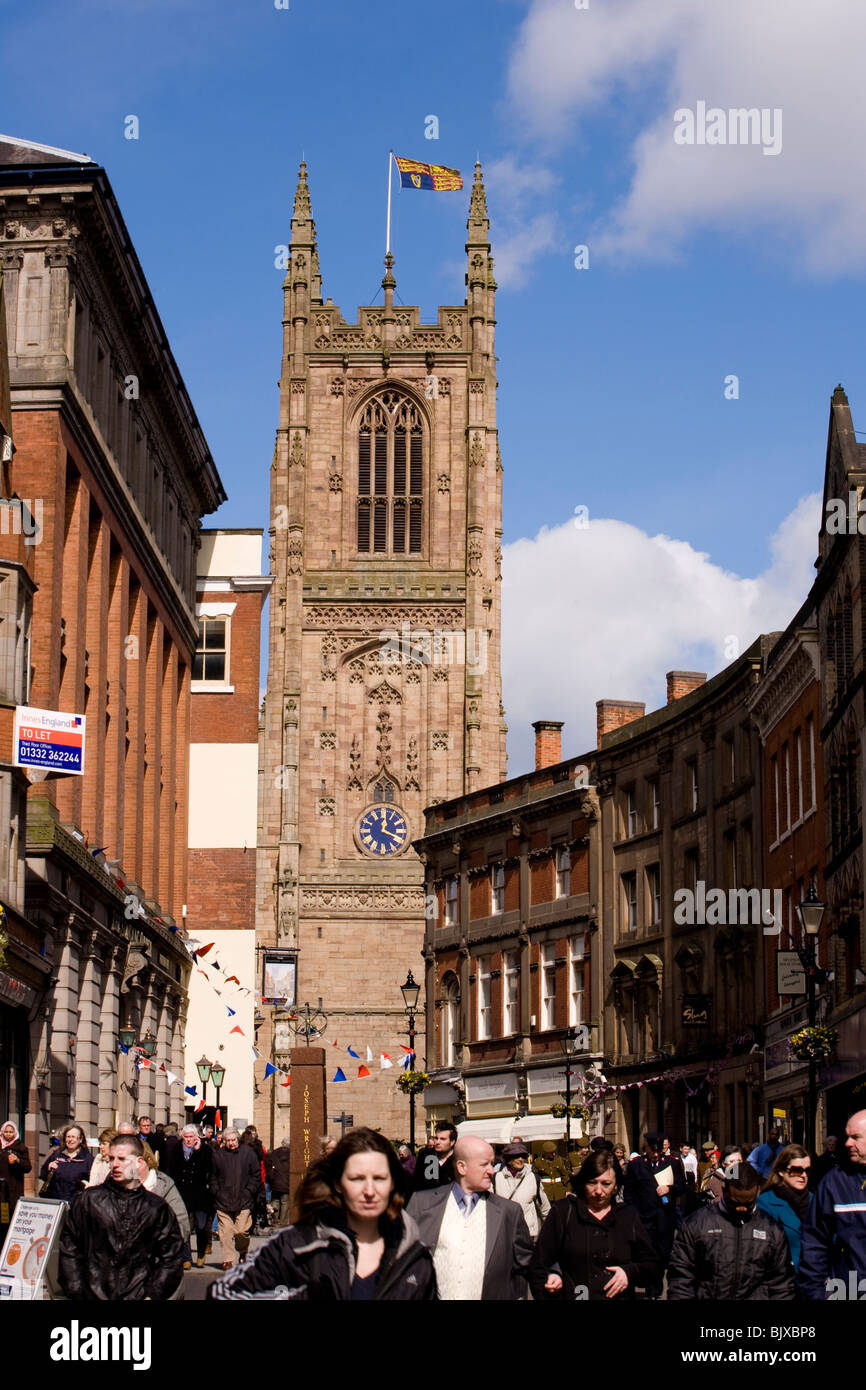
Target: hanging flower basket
{"type": "Point", "coordinates": [411, 1082]}
{"type": "Point", "coordinates": [816, 1043]}
{"type": "Point", "coordinates": [574, 1112]}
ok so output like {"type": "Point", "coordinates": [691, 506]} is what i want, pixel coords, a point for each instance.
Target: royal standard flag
{"type": "Point", "coordinates": [436, 177]}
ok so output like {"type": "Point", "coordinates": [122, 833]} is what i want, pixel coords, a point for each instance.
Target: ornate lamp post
{"type": "Point", "coordinates": [811, 912]}
{"type": "Point", "coordinates": [148, 1044]}
{"type": "Point", "coordinates": [203, 1067]}
{"type": "Point", "coordinates": [127, 1036]}
{"type": "Point", "coordinates": [410, 991]}
{"type": "Point", "coordinates": [217, 1076]}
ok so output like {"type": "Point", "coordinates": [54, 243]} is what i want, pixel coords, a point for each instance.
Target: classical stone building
{"type": "Point", "coordinates": [109, 448]}
{"type": "Point", "coordinates": [513, 958]}
{"type": "Point", "coordinates": [383, 685]}
{"type": "Point", "coordinates": [680, 805]}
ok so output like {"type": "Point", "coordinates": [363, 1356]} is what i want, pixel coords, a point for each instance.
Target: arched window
{"type": "Point", "coordinates": [390, 476]}
{"type": "Point", "coordinates": [449, 1023]}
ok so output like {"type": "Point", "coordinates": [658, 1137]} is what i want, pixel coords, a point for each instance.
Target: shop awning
{"type": "Point", "coordinates": [494, 1131]}
{"type": "Point", "coordinates": [530, 1128]}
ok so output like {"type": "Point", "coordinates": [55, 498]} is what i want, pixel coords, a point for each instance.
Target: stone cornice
{"type": "Point", "coordinates": [784, 683]}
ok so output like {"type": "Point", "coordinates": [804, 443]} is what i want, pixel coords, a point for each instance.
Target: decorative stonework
{"type": "Point", "coordinates": [335, 482]}
{"type": "Point", "coordinates": [354, 784]}
{"type": "Point", "coordinates": [438, 739]}
{"type": "Point", "coordinates": [413, 674]}
{"type": "Point", "coordinates": [327, 898]}
{"type": "Point", "coordinates": [474, 555]}
{"type": "Point", "coordinates": [325, 806]}
{"type": "Point", "coordinates": [328, 738]}
{"type": "Point", "coordinates": [388, 615]}
{"type": "Point", "coordinates": [444, 482]}
{"type": "Point", "coordinates": [384, 694]}
{"type": "Point", "coordinates": [439, 674]}
{"type": "Point", "coordinates": [383, 745]}
{"type": "Point", "coordinates": [296, 454]}
{"type": "Point", "coordinates": [412, 766]}
{"type": "Point", "coordinates": [295, 551]}
{"type": "Point", "coordinates": [353, 387]}
{"type": "Point", "coordinates": [476, 388]}
{"type": "Point", "coordinates": [338, 386]}
{"type": "Point", "coordinates": [476, 451]}
{"type": "Point", "coordinates": [787, 680]}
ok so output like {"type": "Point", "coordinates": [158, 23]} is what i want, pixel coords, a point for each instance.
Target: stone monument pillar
{"type": "Point", "coordinates": [308, 1116]}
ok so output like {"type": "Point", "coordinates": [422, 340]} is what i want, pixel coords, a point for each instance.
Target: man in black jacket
{"type": "Point", "coordinates": [236, 1178]}
{"type": "Point", "coordinates": [730, 1250]}
{"type": "Point", "coordinates": [121, 1242]}
{"type": "Point", "coordinates": [278, 1172]}
{"type": "Point", "coordinates": [653, 1183]}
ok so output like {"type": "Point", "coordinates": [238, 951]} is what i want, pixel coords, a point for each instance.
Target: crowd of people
{"type": "Point", "coordinates": [456, 1221]}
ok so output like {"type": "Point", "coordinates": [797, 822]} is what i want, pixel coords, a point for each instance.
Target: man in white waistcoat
{"type": "Point", "coordinates": [480, 1242]}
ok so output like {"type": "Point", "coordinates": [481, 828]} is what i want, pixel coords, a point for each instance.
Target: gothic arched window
{"type": "Point", "coordinates": [390, 476]}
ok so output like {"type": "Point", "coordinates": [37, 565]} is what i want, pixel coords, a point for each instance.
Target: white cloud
{"type": "Point", "coordinates": [794, 55]}
{"type": "Point", "coordinates": [605, 612]}
{"type": "Point", "coordinates": [521, 233]}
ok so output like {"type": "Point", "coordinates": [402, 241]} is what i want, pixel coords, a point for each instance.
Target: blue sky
{"type": "Point", "coordinates": [702, 263]}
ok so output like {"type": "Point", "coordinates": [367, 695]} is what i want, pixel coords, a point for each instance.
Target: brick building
{"type": "Point", "coordinates": [23, 972]}
{"type": "Point", "coordinates": [223, 810]}
{"type": "Point", "coordinates": [680, 807]}
{"type": "Point", "coordinates": [786, 708]}
{"type": "Point", "coordinates": [840, 604]}
{"type": "Point", "coordinates": [108, 445]}
{"type": "Point", "coordinates": [384, 692]}
{"type": "Point", "coordinates": [511, 950]}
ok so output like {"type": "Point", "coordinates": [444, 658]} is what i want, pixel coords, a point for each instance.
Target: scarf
{"type": "Point", "coordinates": [188, 1152]}
{"type": "Point", "coordinates": [799, 1201]}
{"type": "Point", "coordinates": [7, 1143]}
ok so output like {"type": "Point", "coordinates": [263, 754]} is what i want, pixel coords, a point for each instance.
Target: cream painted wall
{"type": "Point", "coordinates": [208, 1029]}
{"type": "Point", "coordinates": [223, 782]}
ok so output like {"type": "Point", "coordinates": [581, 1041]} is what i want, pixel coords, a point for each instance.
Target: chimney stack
{"type": "Point", "coordinates": [613, 714]}
{"type": "Point", "coordinates": [548, 742]}
{"type": "Point", "coordinates": [682, 683]}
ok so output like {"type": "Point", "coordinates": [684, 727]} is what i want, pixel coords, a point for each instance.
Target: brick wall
{"type": "Point", "coordinates": [233, 718]}
{"type": "Point", "coordinates": [613, 714]}
{"type": "Point", "coordinates": [222, 884]}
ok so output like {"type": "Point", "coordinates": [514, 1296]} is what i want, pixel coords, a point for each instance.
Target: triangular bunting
{"type": "Point", "coordinates": [288, 1081]}
{"type": "Point", "coordinates": [237, 1029]}
{"type": "Point", "coordinates": [353, 1054]}
{"type": "Point", "coordinates": [362, 1071]}
{"type": "Point", "coordinates": [369, 1053]}
{"type": "Point", "coordinates": [203, 950]}
{"type": "Point", "coordinates": [385, 1062]}
{"type": "Point", "coordinates": [269, 1070]}
{"type": "Point", "coordinates": [340, 1075]}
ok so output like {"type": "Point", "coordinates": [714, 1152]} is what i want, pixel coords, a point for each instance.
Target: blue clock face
{"type": "Point", "coordinates": [383, 830]}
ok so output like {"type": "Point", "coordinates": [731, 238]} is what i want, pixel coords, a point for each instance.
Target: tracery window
{"type": "Point", "coordinates": [390, 476]}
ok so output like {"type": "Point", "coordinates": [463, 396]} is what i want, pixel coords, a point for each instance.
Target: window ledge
{"type": "Point", "coordinates": [210, 688]}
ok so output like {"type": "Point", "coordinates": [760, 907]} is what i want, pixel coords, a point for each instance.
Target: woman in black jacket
{"type": "Point", "coordinates": [14, 1163]}
{"type": "Point", "coordinates": [67, 1171]}
{"type": "Point", "coordinates": [589, 1247]}
{"type": "Point", "coordinates": [353, 1240]}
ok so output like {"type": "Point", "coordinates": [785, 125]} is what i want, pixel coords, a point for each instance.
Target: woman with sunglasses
{"type": "Point", "coordinates": [786, 1194]}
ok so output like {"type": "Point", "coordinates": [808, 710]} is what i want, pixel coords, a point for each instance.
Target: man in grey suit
{"type": "Point", "coordinates": [480, 1242]}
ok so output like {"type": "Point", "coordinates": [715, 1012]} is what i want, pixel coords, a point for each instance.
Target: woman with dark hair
{"type": "Point", "coordinates": [66, 1172]}
{"type": "Point", "coordinates": [589, 1247]}
{"type": "Point", "coordinates": [786, 1194]}
{"type": "Point", "coordinates": [14, 1163]}
{"type": "Point", "coordinates": [352, 1239]}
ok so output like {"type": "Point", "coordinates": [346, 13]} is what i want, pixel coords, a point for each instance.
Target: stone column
{"type": "Point", "coordinates": [177, 1099]}
{"type": "Point", "coordinates": [162, 1057]}
{"type": "Point", "coordinates": [87, 1045]}
{"type": "Point", "coordinates": [64, 1026]}
{"type": "Point", "coordinates": [109, 1024]}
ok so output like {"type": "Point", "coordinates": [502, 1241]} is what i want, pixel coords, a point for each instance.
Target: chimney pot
{"type": "Point", "coordinates": [613, 714]}
{"type": "Point", "coordinates": [682, 683]}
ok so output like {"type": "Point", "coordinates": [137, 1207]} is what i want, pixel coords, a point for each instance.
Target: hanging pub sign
{"type": "Point", "coordinates": [695, 1010]}
{"type": "Point", "coordinates": [790, 974]}
{"type": "Point", "coordinates": [278, 977]}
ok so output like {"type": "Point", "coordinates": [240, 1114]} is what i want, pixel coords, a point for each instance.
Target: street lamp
{"type": "Point", "coordinates": [127, 1036]}
{"type": "Point", "coordinates": [811, 912]}
{"type": "Point", "coordinates": [410, 991]}
{"type": "Point", "coordinates": [203, 1067]}
{"type": "Point", "coordinates": [148, 1044]}
{"type": "Point", "coordinates": [217, 1076]}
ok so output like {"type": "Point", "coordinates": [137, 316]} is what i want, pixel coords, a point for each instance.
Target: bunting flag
{"type": "Point", "coordinates": [218, 1119]}
{"type": "Point", "coordinates": [353, 1054]}
{"type": "Point", "coordinates": [171, 1077]}
{"type": "Point", "coordinates": [334, 1043]}
{"type": "Point", "coordinates": [269, 1070]}
{"type": "Point", "coordinates": [340, 1075]}
{"type": "Point", "coordinates": [369, 1053]}
{"type": "Point", "coordinates": [102, 850]}
{"type": "Point", "coordinates": [229, 979]}
{"type": "Point", "coordinates": [124, 1049]}
{"type": "Point", "coordinates": [191, 1090]}
{"type": "Point", "coordinates": [385, 1062]}
{"type": "Point", "coordinates": [200, 1105]}
{"type": "Point", "coordinates": [214, 964]}
{"type": "Point", "coordinates": [238, 1029]}
{"type": "Point", "coordinates": [203, 950]}
{"type": "Point", "coordinates": [288, 1080]}
{"type": "Point", "coordinates": [410, 1050]}
{"type": "Point", "coordinates": [362, 1071]}
{"type": "Point", "coordinates": [232, 1012]}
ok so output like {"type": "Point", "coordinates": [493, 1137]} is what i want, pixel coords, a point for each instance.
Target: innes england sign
{"type": "Point", "coordinates": [48, 739]}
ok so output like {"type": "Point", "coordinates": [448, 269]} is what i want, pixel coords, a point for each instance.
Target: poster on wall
{"type": "Point", "coordinates": [48, 740]}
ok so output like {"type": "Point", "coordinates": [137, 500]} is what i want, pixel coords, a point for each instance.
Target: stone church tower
{"type": "Point", "coordinates": [384, 687]}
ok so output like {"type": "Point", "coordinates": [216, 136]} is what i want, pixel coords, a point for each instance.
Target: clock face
{"type": "Point", "coordinates": [382, 830]}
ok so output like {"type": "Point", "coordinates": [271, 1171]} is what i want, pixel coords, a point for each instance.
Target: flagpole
{"type": "Point", "coordinates": [388, 221]}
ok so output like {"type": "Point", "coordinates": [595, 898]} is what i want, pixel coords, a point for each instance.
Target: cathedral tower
{"type": "Point", "coordinates": [384, 687]}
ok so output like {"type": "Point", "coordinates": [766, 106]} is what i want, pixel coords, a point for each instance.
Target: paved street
{"type": "Point", "coordinates": [195, 1281]}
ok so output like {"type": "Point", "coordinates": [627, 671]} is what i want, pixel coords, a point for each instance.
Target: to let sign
{"type": "Point", "coordinates": [695, 1012]}
{"type": "Point", "coordinates": [48, 739]}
